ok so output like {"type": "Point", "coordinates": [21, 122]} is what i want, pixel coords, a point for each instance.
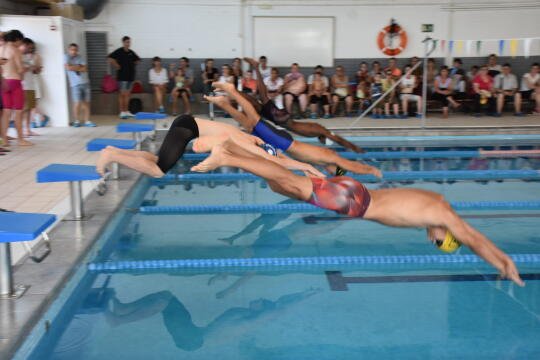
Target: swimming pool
{"type": "Point", "coordinates": [376, 309]}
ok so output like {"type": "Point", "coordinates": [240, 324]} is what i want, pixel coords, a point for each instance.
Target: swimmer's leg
{"type": "Point", "coordinates": [136, 153]}
{"type": "Point", "coordinates": [250, 111]}
{"type": "Point", "coordinates": [311, 129]}
{"type": "Point", "coordinates": [246, 122]}
{"type": "Point", "coordinates": [279, 179]}
{"type": "Point", "coordinates": [323, 156]}
{"type": "Point", "coordinates": [138, 163]}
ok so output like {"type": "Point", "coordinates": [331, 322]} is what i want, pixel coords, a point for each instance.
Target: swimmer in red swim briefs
{"type": "Point", "coordinates": [398, 207]}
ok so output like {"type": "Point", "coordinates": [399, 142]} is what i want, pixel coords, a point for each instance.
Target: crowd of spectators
{"type": "Point", "coordinates": [388, 90]}
{"type": "Point", "coordinates": [395, 92]}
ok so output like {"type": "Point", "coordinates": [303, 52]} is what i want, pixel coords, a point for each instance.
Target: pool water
{"type": "Point", "coordinates": [407, 311]}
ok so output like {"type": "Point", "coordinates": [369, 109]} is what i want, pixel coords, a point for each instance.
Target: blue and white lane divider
{"type": "Point", "coordinates": [388, 155]}
{"type": "Point", "coordinates": [308, 208]}
{"type": "Point", "coordinates": [298, 261]}
{"type": "Point", "coordinates": [387, 176]}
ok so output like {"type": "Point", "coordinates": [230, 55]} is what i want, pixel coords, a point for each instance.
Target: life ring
{"type": "Point", "coordinates": [402, 35]}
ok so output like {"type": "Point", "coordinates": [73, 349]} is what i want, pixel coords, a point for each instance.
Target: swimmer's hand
{"type": "Point", "coordinates": [376, 172]}
{"type": "Point", "coordinates": [510, 272]}
{"type": "Point", "coordinates": [311, 171]}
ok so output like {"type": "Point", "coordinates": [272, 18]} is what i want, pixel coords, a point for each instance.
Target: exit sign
{"type": "Point", "coordinates": [427, 28]}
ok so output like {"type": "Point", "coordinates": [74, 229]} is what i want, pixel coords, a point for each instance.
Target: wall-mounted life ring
{"type": "Point", "coordinates": [396, 31]}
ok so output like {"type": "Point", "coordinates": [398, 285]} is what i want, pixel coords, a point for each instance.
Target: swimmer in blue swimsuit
{"type": "Point", "coordinates": [281, 117]}
{"type": "Point", "coordinates": [281, 139]}
{"type": "Point", "coordinates": [397, 207]}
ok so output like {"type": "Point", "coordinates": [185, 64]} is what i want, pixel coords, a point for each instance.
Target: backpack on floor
{"type": "Point", "coordinates": [109, 84]}
{"type": "Point", "coordinates": [137, 87]}
{"type": "Point", "coordinates": [135, 105]}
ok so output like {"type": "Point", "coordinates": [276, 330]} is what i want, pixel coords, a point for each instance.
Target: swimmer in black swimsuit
{"type": "Point", "coordinates": [282, 118]}
{"type": "Point", "coordinates": [398, 207]}
{"type": "Point", "coordinates": [251, 121]}
{"type": "Point", "coordinates": [183, 130]}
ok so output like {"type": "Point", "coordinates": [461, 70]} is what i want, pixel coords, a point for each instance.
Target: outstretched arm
{"type": "Point", "coordinates": [483, 247]}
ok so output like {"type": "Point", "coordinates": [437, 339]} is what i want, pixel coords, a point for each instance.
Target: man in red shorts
{"type": "Point", "coordinates": [12, 90]}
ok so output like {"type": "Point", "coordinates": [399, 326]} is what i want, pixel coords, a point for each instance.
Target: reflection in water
{"type": "Point", "coordinates": [272, 242]}
{"type": "Point", "coordinates": [178, 320]}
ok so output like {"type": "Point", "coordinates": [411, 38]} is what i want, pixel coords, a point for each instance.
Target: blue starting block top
{"type": "Point", "coordinates": [23, 226]}
{"type": "Point", "coordinates": [66, 172]}
{"type": "Point", "coordinates": [131, 127]}
{"type": "Point", "coordinates": [100, 144]}
{"type": "Point", "coordinates": [149, 116]}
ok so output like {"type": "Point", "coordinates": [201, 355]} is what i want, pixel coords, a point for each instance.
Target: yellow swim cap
{"type": "Point", "coordinates": [449, 244]}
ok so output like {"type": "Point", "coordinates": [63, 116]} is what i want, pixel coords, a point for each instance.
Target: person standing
{"type": "Point", "coordinates": [32, 67]}
{"type": "Point", "coordinates": [12, 90]}
{"type": "Point", "coordinates": [79, 84]}
{"type": "Point", "coordinates": [124, 61]}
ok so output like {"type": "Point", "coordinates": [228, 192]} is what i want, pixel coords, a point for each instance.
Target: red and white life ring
{"type": "Point", "coordinates": [402, 36]}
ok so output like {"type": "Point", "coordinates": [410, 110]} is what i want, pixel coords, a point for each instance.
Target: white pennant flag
{"type": "Point", "coordinates": [527, 47]}
{"type": "Point", "coordinates": [468, 47]}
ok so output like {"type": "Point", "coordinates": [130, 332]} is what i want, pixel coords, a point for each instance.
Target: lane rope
{"type": "Point", "coordinates": [297, 261]}
{"type": "Point", "coordinates": [308, 208]}
{"type": "Point", "coordinates": [387, 175]}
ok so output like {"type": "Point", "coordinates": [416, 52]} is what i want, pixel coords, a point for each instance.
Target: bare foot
{"type": "Point", "coordinates": [218, 100]}
{"type": "Point", "coordinates": [23, 142]}
{"type": "Point", "coordinates": [103, 160]}
{"type": "Point", "coordinates": [251, 61]}
{"type": "Point", "coordinates": [223, 86]}
{"type": "Point", "coordinates": [216, 159]}
{"type": "Point", "coordinates": [31, 133]}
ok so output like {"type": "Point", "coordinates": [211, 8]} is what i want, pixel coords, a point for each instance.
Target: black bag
{"type": "Point", "coordinates": [135, 105]}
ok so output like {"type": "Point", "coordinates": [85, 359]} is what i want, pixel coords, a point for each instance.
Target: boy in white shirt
{"type": "Point", "coordinates": [158, 78]}
{"type": "Point", "coordinates": [274, 84]}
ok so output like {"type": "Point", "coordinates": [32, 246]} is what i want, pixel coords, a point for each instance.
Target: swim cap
{"type": "Point", "coordinates": [269, 149]}
{"type": "Point", "coordinates": [449, 244]}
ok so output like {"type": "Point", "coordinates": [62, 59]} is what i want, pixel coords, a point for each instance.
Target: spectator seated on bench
{"type": "Point", "coordinates": [505, 88]}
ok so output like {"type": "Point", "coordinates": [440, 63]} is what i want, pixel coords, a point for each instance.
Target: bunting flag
{"type": "Point", "coordinates": [450, 46]}
{"type": "Point", "coordinates": [513, 47]}
{"type": "Point", "coordinates": [468, 47]}
{"type": "Point", "coordinates": [501, 47]}
{"type": "Point", "coordinates": [478, 46]}
{"type": "Point", "coordinates": [527, 48]}
{"type": "Point", "coordinates": [459, 46]}
{"type": "Point", "coordinates": [435, 42]}
{"type": "Point", "coordinates": [443, 45]}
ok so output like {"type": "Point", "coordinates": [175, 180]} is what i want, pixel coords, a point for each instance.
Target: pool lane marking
{"type": "Point", "coordinates": [338, 282]}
